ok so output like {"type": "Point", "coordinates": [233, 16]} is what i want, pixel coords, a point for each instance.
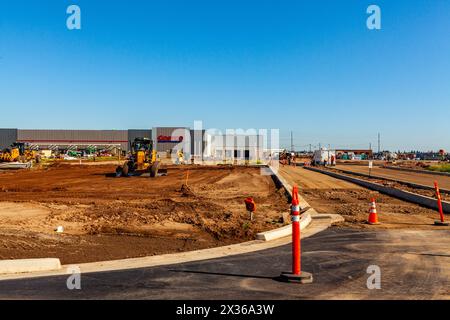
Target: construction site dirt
{"type": "Point", "coordinates": [419, 177]}
{"type": "Point", "coordinates": [396, 184]}
{"type": "Point", "coordinates": [330, 195]}
{"type": "Point", "coordinates": [106, 218]}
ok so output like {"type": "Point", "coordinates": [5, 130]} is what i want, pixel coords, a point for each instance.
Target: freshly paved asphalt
{"type": "Point", "coordinates": [414, 265]}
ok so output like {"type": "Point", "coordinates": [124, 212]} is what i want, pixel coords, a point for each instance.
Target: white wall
{"type": "Point", "coordinates": [223, 146]}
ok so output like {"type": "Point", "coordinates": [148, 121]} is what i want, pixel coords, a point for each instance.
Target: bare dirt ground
{"type": "Point", "coordinates": [445, 195]}
{"type": "Point", "coordinates": [417, 165]}
{"type": "Point", "coordinates": [414, 177]}
{"type": "Point", "coordinates": [110, 218]}
{"type": "Point", "coordinates": [330, 195]}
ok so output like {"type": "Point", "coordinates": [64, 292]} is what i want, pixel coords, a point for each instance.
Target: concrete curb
{"type": "Point", "coordinates": [317, 225]}
{"type": "Point", "coordinates": [418, 171]}
{"type": "Point", "coordinates": [285, 231]}
{"type": "Point", "coordinates": [29, 265]}
{"type": "Point", "coordinates": [409, 184]}
{"type": "Point", "coordinates": [280, 181]}
{"type": "Point", "coordinates": [427, 202]}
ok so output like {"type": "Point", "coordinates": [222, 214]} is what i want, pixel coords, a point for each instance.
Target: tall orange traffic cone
{"type": "Point", "coordinates": [440, 222]}
{"type": "Point", "coordinates": [373, 217]}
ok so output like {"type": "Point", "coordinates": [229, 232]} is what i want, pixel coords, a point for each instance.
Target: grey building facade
{"type": "Point", "coordinates": [74, 139]}
{"type": "Point", "coordinates": [7, 137]}
{"type": "Point", "coordinates": [138, 133]}
{"type": "Point", "coordinates": [164, 138]}
{"type": "Point", "coordinates": [167, 139]}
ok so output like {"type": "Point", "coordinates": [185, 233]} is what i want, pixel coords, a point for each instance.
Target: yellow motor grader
{"type": "Point", "coordinates": [142, 160]}
{"type": "Point", "coordinates": [19, 152]}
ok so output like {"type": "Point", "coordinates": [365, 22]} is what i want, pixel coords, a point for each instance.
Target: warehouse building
{"type": "Point", "coordinates": [235, 146]}
{"type": "Point", "coordinates": [74, 139]}
{"type": "Point", "coordinates": [166, 140]}
{"type": "Point", "coordinates": [7, 137]}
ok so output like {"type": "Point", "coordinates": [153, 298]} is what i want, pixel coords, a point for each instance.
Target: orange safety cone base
{"type": "Point", "coordinates": [373, 219]}
{"type": "Point", "coordinates": [373, 216]}
{"type": "Point", "coordinates": [304, 277]}
{"type": "Point", "coordinates": [440, 223]}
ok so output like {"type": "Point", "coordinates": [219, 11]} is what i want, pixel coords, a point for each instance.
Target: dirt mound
{"type": "Point", "coordinates": [96, 209]}
{"type": "Point", "coordinates": [186, 191]}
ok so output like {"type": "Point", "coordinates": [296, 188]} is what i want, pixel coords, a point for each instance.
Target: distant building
{"type": "Point", "coordinates": [197, 143]}
{"type": "Point", "coordinates": [235, 146]}
{"type": "Point", "coordinates": [354, 154]}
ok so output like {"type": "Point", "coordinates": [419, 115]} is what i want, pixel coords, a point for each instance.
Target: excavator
{"type": "Point", "coordinates": [19, 152]}
{"type": "Point", "coordinates": [142, 160]}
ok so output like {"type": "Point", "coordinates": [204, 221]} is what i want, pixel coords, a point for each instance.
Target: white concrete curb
{"type": "Point", "coordinates": [285, 231]}
{"type": "Point", "coordinates": [319, 223]}
{"type": "Point", "coordinates": [288, 187]}
{"type": "Point", "coordinates": [29, 265]}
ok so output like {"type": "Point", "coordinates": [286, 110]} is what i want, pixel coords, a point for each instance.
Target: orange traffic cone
{"type": "Point", "coordinates": [373, 217]}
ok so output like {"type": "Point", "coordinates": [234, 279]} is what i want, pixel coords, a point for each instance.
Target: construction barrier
{"type": "Point", "coordinates": [441, 210]}
{"type": "Point", "coordinates": [297, 275]}
{"type": "Point", "coordinates": [373, 215]}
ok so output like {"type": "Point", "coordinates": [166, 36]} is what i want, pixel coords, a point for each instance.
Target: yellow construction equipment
{"type": "Point", "coordinates": [19, 152]}
{"type": "Point", "coordinates": [142, 160]}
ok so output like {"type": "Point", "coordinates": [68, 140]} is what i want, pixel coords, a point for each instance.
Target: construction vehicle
{"type": "Point", "coordinates": [19, 152]}
{"type": "Point", "coordinates": [142, 160]}
{"type": "Point", "coordinates": [286, 157]}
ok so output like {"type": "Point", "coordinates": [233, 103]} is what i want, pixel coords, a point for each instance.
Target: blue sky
{"type": "Point", "coordinates": [308, 66]}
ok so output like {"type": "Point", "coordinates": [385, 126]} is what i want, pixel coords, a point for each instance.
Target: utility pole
{"type": "Point", "coordinates": [292, 142]}
{"type": "Point", "coordinates": [379, 139]}
{"type": "Point", "coordinates": [329, 147]}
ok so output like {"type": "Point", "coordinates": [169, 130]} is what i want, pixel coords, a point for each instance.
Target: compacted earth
{"type": "Point", "coordinates": [330, 195]}
{"type": "Point", "coordinates": [105, 217]}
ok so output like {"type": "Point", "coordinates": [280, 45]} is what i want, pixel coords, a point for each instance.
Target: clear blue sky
{"type": "Point", "coordinates": [308, 66]}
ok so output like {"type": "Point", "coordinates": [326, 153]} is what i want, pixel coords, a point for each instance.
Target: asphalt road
{"type": "Point", "coordinates": [414, 177]}
{"type": "Point", "coordinates": [413, 264]}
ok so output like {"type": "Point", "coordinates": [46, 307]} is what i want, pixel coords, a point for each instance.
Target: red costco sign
{"type": "Point", "coordinates": [162, 138]}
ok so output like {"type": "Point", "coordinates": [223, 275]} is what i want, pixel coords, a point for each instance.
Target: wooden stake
{"type": "Point", "coordinates": [187, 177]}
